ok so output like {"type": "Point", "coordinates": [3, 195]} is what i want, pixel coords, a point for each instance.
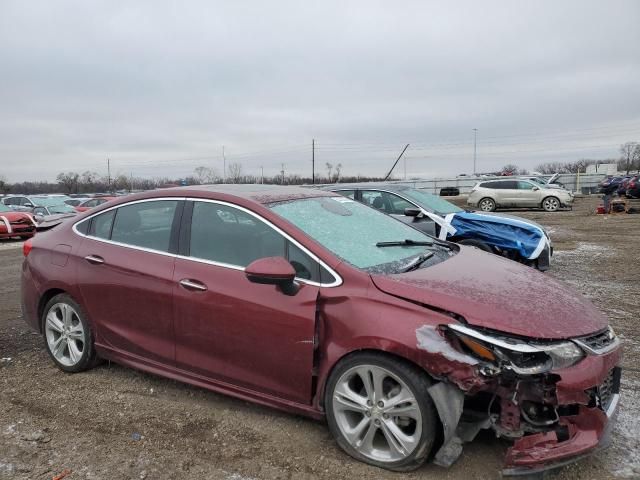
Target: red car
{"type": "Point", "coordinates": [15, 224]}
{"type": "Point", "coordinates": [92, 203]}
{"type": "Point", "coordinates": [310, 302]}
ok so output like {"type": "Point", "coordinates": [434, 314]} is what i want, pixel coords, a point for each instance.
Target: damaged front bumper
{"type": "Point", "coordinates": [553, 418]}
{"type": "Point", "coordinates": [589, 431]}
{"type": "Point", "coordinates": [575, 435]}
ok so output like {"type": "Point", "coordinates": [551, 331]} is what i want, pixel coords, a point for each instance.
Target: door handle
{"type": "Point", "coordinates": [94, 259]}
{"type": "Point", "coordinates": [193, 285]}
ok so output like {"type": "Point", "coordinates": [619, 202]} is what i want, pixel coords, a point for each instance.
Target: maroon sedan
{"type": "Point", "coordinates": [310, 302]}
{"type": "Point", "coordinates": [15, 224]}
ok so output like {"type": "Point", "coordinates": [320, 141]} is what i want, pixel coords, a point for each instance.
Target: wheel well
{"type": "Point", "coordinates": [48, 295]}
{"type": "Point", "coordinates": [440, 431]}
{"type": "Point", "coordinates": [355, 353]}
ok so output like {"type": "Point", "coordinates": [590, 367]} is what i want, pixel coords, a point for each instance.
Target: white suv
{"type": "Point", "coordinates": [487, 196]}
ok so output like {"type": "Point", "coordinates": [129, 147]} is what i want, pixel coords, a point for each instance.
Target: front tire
{"type": "Point", "coordinates": [380, 412]}
{"type": "Point", "coordinates": [550, 204]}
{"type": "Point", "coordinates": [487, 205]}
{"type": "Point", "coordinates": [67, 335]}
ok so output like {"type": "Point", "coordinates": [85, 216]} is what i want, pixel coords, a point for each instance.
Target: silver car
{"type": "Point", "coordinates": [508, 193]}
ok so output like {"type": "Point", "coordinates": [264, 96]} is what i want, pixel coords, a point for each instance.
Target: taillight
{"type": "Point", "coordinates": [26, 247]}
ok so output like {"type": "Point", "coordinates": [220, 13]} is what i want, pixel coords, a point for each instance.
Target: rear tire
{"type": "Point", "coordinates": [487, 205]}
{"type": "Point", "coordinates": [367, 417]}
{"type": "Point", "coordinates": [67, 335]}
{"type": "Point", "coordinates": [479, 244]}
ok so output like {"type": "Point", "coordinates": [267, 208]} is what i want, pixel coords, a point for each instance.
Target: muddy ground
{"type": "Point", "coordinates": [117, 423]}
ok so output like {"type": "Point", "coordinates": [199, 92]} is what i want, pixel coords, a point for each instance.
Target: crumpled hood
{"type": "Point", "coordinates": [492, 292]}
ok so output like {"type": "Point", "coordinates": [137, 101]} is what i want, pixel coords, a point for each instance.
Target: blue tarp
{"type": "Point", "coordinates": [503, 232]}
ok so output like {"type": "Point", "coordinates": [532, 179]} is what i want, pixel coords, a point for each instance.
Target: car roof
{"type": "Point", "coordinates": [263, 194]}
{"type": "Point", "coordinates": [393, 187]}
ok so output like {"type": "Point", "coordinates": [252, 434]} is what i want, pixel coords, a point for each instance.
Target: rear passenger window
{"type": "Point", "coordinates": [101, 225]}
{"type": "Point", "coordinates": [225, 234]}
{"type": "Point", "coordinates": [145, 224]}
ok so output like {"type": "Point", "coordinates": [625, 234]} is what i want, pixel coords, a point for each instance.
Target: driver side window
{"type": "Point", "coordinates": [225, 234]}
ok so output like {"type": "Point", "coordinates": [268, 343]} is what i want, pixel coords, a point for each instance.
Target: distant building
{"type": "Point", "coordinates": [603, 168]}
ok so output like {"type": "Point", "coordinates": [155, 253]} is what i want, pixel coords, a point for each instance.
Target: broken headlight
{"type": "Point", "coordinates": [523, 357]}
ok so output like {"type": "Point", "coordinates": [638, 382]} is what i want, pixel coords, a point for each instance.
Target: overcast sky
{"type": "Point", "coordinates": [159, 87]}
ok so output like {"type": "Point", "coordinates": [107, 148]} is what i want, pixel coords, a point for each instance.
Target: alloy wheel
{"type": "Point", "coordinates": [65, 334]}
{"type": "Point", "coordinates": [377, 413]}
{"type": "Point", "coordinates": [487, 205]}
{"type": "Point", "coordinates": [550, 204]}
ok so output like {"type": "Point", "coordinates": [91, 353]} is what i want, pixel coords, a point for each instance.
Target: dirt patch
{"type": "Point", "coordinates": [117, 423]}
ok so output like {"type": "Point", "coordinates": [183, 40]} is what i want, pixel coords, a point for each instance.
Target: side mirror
{"type": "Point", "coordinates": [273, 271]}
{"type": "Point", "coordinates": [28, 205]}
{"type": "Point", "coordinates": [535, 189]}
{"type": "Point", "coordinates": [412, 212]}
{"type": "Point", "coordinates": [38, 218]}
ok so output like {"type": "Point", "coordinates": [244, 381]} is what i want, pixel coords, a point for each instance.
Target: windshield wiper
{"type": "Point", "coordinates": [417, 262]}
{"type": "Point", "coordinates": [403, 243]}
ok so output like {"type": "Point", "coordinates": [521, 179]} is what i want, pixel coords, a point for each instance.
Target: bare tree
{"type": "Point", "coordinates": [630, 156]}
{"type": "Point", "coordinates": [234, 172]}
{"type": "Point", "coordinates": [509, 169]}
{"type": "Point", "coordinates": [329, 170]}
{"type": "Point", "coordinates": [68, 181]}
{"type": "Point", "coordinates": [206, 175]}
{"type": "Point", "coordinates": [4, 185]}
{"type": "Point", "coordinates": [338, 170]}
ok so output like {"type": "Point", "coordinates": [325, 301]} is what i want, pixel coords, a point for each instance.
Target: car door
{"type": "Point", "coordinates": [506, 193]}
{"type": "Point", "coordinates": [125, 272]}
{"type": "Point", "coordinates": [395, 206]}
{"type": "Point", "coordinates": [231, 330]}
{"type": "Point", "coordinates": [528, 194]}
{"type": "Point", "coordinates": [19, 204]}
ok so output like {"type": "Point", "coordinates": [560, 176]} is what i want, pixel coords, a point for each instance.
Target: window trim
{"type": "Point", "coordinates": [178, 211]}
{"type": "Point", "coordinates": [397, 195]}
{"type": "Point", "coordinates": [337, 278]}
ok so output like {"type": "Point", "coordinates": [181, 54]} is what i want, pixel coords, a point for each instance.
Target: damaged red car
{"type": "Point", "coordinates": [15, 224]}
{"type": "Point", "coordinates": [310, 302]}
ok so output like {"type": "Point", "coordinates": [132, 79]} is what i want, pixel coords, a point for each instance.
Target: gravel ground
{"type": "Point", "coordinates": [117, 423]}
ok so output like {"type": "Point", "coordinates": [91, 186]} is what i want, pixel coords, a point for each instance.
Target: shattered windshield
{"type": "Point", "coordinates": [352, 231]}
{"type": "Point", "coordinates": [430, 202]}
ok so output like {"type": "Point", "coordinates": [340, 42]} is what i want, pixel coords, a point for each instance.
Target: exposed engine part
{"type": "Point", "coordinates": [538, 414]}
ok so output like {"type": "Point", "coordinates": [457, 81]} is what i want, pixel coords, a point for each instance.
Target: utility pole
{"type": "Point", "coordinates": [313, 161]}
{"type": "Point", "coordinates": [396, 162]}
{"type": "Point", "coordinates": [261, 174]}
{"type": "Point", "coordinates": [404, 159]}
{"type": "Point", "coordinates": [282, 171]}
{"type": "Point", "coordinates": [109, 175]}
{"type": "Point", "coordinates": [475, 138]}
{"type": "Point", "coordinates": [224, 166]}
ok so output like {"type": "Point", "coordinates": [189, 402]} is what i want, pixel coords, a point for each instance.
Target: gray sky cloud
{"type": "Point", "coordinates": [159, 87]}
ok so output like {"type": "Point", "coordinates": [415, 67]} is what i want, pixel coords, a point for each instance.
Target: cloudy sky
{"type": "Point", "coordinates": [159, 87]}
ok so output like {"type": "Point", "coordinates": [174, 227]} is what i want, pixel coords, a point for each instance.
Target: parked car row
{"type": "Point", "coordinates": [314, 303]}
{"type": "Point", "coordinates": [628, 185]}
{"type": "Point", "coordinates": [46, 211]}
